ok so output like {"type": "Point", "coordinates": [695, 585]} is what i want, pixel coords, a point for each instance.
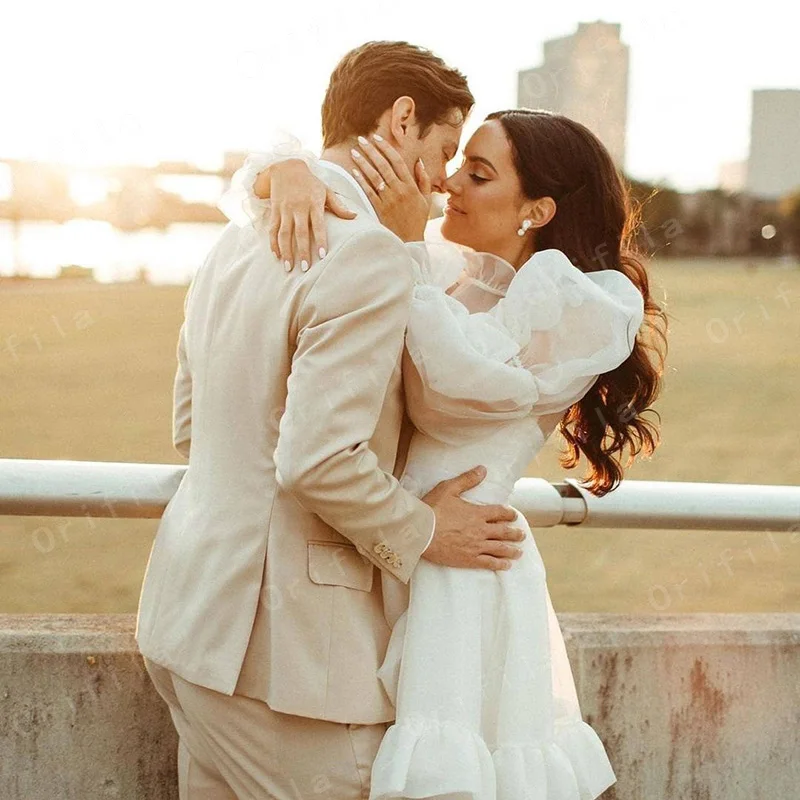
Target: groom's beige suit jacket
{"type": "Point", "coordinates": [266, 571]}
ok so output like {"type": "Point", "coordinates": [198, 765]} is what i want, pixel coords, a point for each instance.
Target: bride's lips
{"type": "Point", "coordinates": [451, 209]}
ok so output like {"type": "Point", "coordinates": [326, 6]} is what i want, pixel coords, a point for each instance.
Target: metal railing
{"type": "Point", "coordinates": [30, 487]}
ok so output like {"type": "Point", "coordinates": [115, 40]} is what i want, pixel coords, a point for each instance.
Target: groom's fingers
{"type": "Point", "coordinates": [502, 550]}
{"type": "Point", "coordinates": [465, 481]}
{"type": "Point", "coordinates": [499, 513]}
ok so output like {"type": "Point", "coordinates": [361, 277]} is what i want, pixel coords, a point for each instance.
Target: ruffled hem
{"type": "Point", "coordinates": [427, 758]}
{"type": "Point", "coordinates": [432, 758]}
{"type": "Point", "coordinates": [572, 766]}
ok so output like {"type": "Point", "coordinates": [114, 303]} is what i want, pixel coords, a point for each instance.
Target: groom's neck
{"type": "Point", "coordinates": [340, 154]}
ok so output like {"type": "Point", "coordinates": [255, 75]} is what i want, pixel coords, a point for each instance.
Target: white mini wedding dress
{"type": "Point", "coordinates": [476, 665]}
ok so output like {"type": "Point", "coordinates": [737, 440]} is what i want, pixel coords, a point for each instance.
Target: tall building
{"type": "Point", "coordinates": [733, 176]}
{"type": "Point", "coordinates": [773, 168]}
{"type": "Point", "coordinates": [585, 77]}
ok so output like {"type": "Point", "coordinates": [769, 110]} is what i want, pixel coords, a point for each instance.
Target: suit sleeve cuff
{"type": "Point", "coordinates": [433, 533]}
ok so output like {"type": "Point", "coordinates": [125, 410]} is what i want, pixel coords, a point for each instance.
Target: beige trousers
{"type": "Point", "coordinates": [238, 748]}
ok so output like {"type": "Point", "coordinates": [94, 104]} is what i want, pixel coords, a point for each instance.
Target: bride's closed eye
{"type": "Point", "coordinates": [477, 179]}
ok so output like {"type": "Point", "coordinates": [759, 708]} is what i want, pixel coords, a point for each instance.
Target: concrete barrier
{"type": "Point", "coordinates": [80, 718]}
{"type": "Point", "coordinates": [690, 707]}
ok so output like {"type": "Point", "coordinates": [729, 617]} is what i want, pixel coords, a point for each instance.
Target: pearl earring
{"type": "Point", "coordinates": [526, 223]}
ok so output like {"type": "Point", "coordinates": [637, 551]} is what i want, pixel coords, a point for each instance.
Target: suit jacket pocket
{"type": "Point", "coordinates": [339, 564]}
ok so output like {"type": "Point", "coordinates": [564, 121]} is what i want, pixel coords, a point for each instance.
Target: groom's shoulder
{"type": "Point", "coordinates": [360, 238]}
{"type": "Point", "coordinates": [340, 230]}
{"type": "Point", "coordinates": [364, 258]}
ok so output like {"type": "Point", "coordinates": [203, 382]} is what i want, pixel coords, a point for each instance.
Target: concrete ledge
{"type": "Point", "coordinates": [79, 717]}
{"type": "Point", "coordinates": [690, 707]}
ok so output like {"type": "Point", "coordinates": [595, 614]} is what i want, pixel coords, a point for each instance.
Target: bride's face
{"type": "Point", "coordinates": [485, 207]}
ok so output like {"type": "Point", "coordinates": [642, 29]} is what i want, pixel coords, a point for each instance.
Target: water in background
{"type": "Point", "coordinates": [164, 256]}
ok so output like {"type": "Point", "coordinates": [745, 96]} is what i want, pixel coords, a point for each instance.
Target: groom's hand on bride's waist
{"type": "Point", "coordinates": [467, 534]}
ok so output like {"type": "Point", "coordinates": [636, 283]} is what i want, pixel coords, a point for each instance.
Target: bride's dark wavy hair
{"type": "Point", "coordinates": [595, 225]}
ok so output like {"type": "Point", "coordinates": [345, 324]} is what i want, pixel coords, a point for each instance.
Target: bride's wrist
{"type": "Point", "coordinates": [262, 187]}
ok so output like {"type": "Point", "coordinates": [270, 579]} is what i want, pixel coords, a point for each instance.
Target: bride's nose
{"type": "Point", "coordinates": [451, 185]}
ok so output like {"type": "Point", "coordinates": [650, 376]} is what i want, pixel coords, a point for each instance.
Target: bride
{"type": "Point", "coordinates": [531, 312]}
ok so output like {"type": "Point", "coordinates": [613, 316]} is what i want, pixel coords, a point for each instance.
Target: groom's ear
{"type": "Point", "coordinates": [403, 117]}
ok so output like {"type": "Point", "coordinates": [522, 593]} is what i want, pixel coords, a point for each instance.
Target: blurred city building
{"type": "Point", "coordinates": [773, 168]}
{"type": "Point", "coordinates": [585, 77]}
{"type": "Point", "coordinates": [128, 197]}
{"type": "Point", "coordinates": [733, 176]}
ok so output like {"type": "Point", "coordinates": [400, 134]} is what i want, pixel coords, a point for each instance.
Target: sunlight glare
{"type": "Point", "coordinates": [86, 189]}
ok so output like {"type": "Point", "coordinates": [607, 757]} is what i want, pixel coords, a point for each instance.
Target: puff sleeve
{"type": "Point", "coordinates": [537, 350]}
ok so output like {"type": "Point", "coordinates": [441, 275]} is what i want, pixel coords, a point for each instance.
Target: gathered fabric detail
{"type": "Point", "coordinates": [430, 758]}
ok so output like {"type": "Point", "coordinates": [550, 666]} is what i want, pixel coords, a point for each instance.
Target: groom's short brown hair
{"type": "Point", "coordinates": [368, 80]}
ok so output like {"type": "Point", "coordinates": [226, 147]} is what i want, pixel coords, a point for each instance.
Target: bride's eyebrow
{"type": "Point", "coordinates": [481, 160]}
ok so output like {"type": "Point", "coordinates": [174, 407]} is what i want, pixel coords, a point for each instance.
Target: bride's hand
{"type": "Point", "coordinates": [402, 200]}
{"type": "Point", "coordinates": [297, 211]}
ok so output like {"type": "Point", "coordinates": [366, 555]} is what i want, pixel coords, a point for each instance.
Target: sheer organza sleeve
{"type": "Point", "coordinates": [239, 203]}
{"type": "Point", "coordinates": [537, 349]}
{"type": "Point", "coordinates": [571, 326]}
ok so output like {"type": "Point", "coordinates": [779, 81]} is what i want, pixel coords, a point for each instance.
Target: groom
{"type": "Point", "coordinates": [261, 616]}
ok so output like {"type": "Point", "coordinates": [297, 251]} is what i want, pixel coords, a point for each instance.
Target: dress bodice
{"type": "Point", "coordinates": [443, 447]}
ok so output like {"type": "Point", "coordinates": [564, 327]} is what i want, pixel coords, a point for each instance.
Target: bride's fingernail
{"type": "Point", "coordinates": [304, 265]}
{"type": "Point", "coordinates": [377, 137]}
{"type": "Point", "coordinates": [356, 173]}
{"type": "Point", "coordinates": [355, 153]}
{"type": "Point", "coordinates": [288, 265]}
{"type": "Point", "coordinates": [322, 252]}
{"type": "Point", "coordinates": [363, 140]}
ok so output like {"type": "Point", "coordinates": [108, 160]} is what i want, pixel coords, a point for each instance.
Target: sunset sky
{"type": "Point", "coordinates": [90, 82]}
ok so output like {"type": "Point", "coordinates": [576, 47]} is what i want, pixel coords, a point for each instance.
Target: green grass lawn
{"type": "Point", "coordinates": [86, 373]}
